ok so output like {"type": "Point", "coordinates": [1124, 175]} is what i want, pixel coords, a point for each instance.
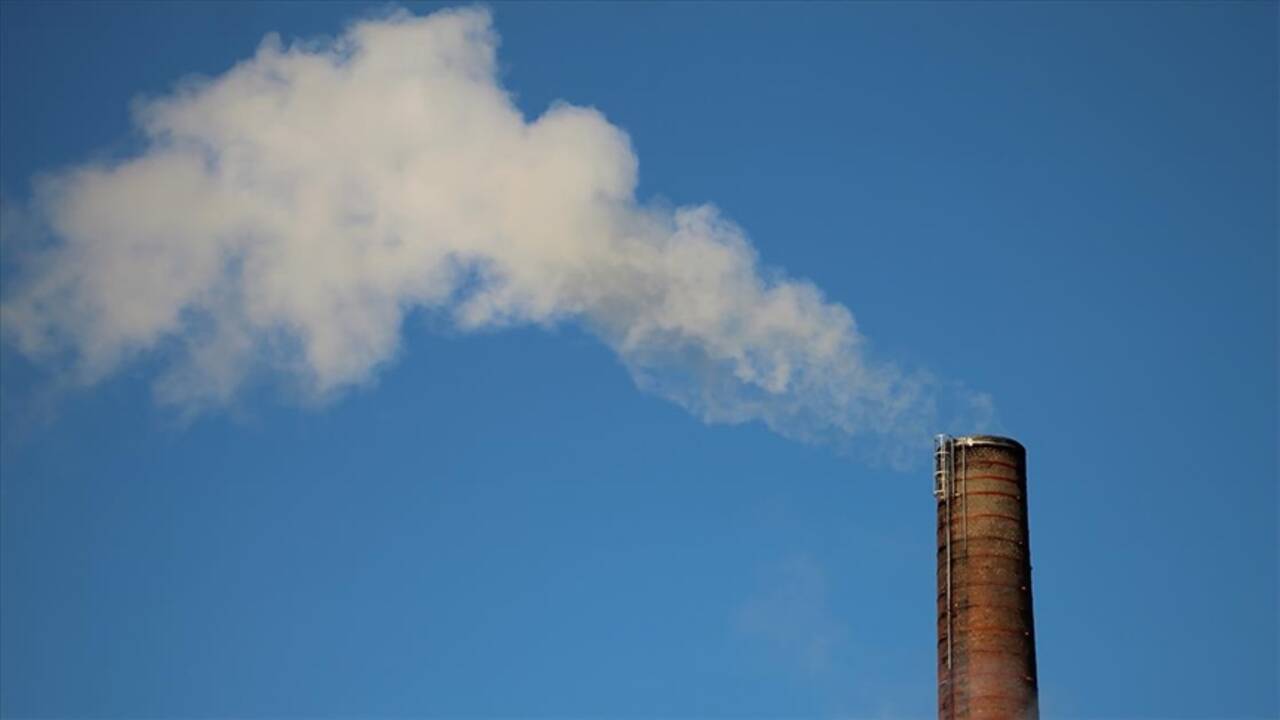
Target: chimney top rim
{"type": "Point", "coordinates": [998, 440]}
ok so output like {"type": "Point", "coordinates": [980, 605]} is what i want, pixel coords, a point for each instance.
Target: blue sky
{"type": "Point", "coordinates": [1070, 207]}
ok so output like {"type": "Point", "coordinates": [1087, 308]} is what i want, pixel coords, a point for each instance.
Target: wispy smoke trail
{"type": "Point", "coordinates": [286, 215]}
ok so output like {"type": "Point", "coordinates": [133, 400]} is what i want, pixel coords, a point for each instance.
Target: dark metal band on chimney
{"type": "Point", "coordinates": [986, 630]}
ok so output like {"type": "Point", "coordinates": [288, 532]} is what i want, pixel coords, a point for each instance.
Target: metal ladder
{"type": "Point", "coordinates": [944, 489]}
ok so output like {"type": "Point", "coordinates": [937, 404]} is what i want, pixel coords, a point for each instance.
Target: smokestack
{"type": "Point", "coordinates": [986, 632]}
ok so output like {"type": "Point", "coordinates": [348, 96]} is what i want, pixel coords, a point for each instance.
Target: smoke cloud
{"type": "Point", "coordinates": [285, 216]}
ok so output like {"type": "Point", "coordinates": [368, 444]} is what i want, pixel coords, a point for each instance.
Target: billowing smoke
{"type": "Point", "coordinates": [285, 216]}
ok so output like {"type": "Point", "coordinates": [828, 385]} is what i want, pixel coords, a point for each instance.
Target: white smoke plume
{"type": "Point", "coordinates": [286, 215]}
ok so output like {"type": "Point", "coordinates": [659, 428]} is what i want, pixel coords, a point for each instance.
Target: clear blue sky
{"type": "Point", "coordinates": [503, 525]}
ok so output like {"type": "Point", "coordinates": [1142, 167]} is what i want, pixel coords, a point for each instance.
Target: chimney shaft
{"type": "Point", "coordinates": [986, 633]}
